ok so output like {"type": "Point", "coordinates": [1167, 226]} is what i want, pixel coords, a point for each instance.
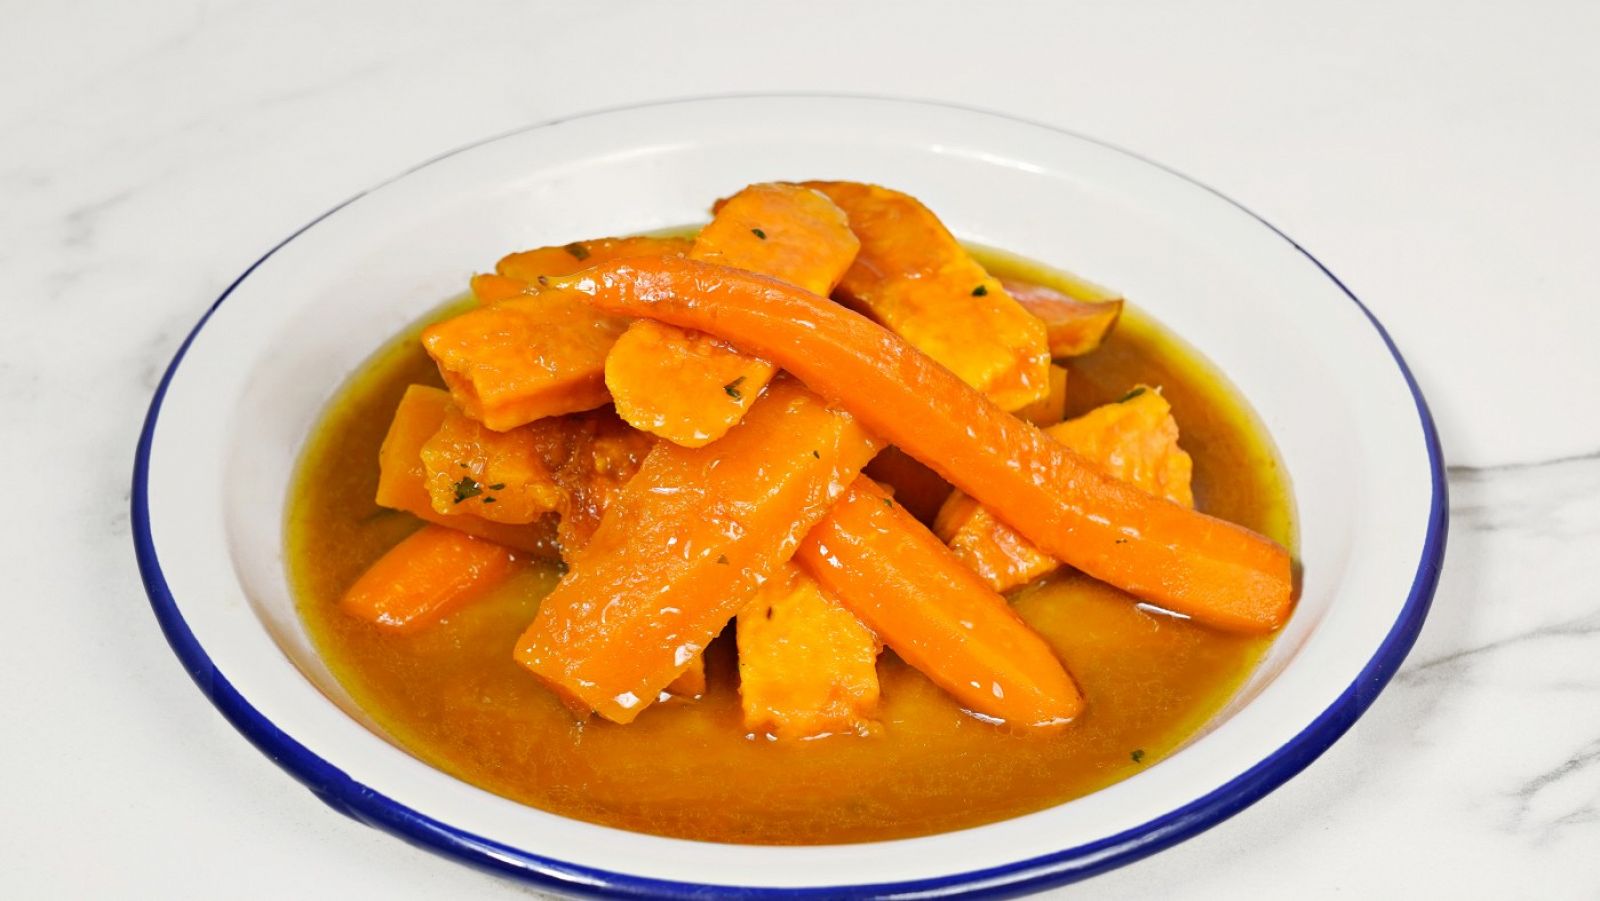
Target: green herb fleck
{"type": "Point", "coordinates": [888, 502]}
{"type": "Point", "coordinates": [498, 486]}
{"type": "Point", "coordinates": [1138, 756]}
{"type": "Point", "coordinates": [817, 455]}
{"type": "Point", "coordinates": [980, 291]}
{"type": "Point", "coordinates": [723, 559]}
{"type": "Point", "coordinates": [467, 487]}
{"type": "Point", "coordinates": [544, 279]}
{"type": "Point", "coordinates": [1131, 395]}
{"type": "Point", "coordinates": [732, 388]}
{"type": "Point", "coordinates": [759, 233]}
{"type": "Point", "coordinates": [463, 466]}
{"type": "Point", "coordinates": [490, 500]}
{"type": "Point", "coordinates": [578, 251]}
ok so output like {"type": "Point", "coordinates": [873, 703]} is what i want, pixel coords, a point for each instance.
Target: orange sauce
{"type": "Point", "coordinates": [453, 697]}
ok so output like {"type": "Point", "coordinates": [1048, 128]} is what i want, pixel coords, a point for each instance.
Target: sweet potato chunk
{"type": "Point", "coordinates": [1135, 440]}
{"type": "Point", "coordinates": [915, 487]}
{"type": "Point", "coordinates": [570, 465]}
{"type": "Point", "coordinates": [403, 479]}
{"type": "Point", "coordinates": [807, 667]}
{"type": "Point", "coordinates": [529, 266]}
{"type": "Point", "coordinates": [690, 388]}
{"type": "Point", "coordinates": [1051, 408]}
{"type": "Point", "coordinates": [525, 358]}
{"type": "Point", "coordinates": [487, 289]}
{"type": "Point", "coordinates": [914, 278]}
{"type": "Point", "coordinates": [423, 578]}
{"type": "Point", "coordinates": [1073, 326]}
{"type": "Point", "coordinates": [685, 545]}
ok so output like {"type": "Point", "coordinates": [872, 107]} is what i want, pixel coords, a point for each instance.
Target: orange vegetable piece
{"type": "Point", "coordinates": [487, 289]}
{"type": "Point", "coordinates": [1135, 440]}
{"type": "Point", "coordinates": [403, 479]}
{"type": "Point", "coordinates": [685, 545]}
{"type": "Point", "coordinates": [915, 487]}
{"type": "Point", "coordinates": [431, 573]}
{"type": "Point", "coordinates": [916, 279]}
{"type": "Point", "coordinates": [690, 388]}
{"type": "Point", "coordinates": [529, 266]}
{"type": "Point", "coordinates": [807, 666]}
{"type": "Point", "coordinates": [1049, 409]}
{"type": "Point", "coordinates": [690, 684]}
{"type": "Point", "coordinates": [523, 359]}
{"type": "Point", "coordinates": [894, 574]}
{"type": "Point", "coordinates": [1217, 572]}
{"type": "Point", "coordinates": [1074, 327]}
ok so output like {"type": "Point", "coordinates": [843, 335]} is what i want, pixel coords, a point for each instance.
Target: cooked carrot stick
{"type": "Point", "coordinates": [1135, 440]}
{"type": "Point", "coordinates": [1214, 571]}
{"type": "Point", "coordinates": [916, 279]}
{"type": "Point", "coordinates": [890, 571]}
{"type": "Point", "coordinates": [529, 266]}
{"type": "Point", "coordinates": [403, 478]}
{"type": "Point", "coordinates": [1074, 327]}
{"type": "Point", "coordinates": [690, 388]}
{"type": "Point", "coordinates": [433, 572]}
{"type": "Point", "coordinates": [685, 544]}
{"type": "Point", "coordinates": [807, 666]}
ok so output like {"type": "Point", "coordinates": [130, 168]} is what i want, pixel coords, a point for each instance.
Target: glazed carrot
{"type": "Point", "coordinates": [433, 572]}
{"type": "Point", "coordinates": [526, 358]}
{"type": "Point", "coordinates": [1214, 571]}
{"type": "Point", "coordinates": [1050, 409]}
{"type": "Point", "coordinates": [916, 279]}
{"type": "Point", "coordinates": [529, 266]}
{"type": "Point", "coordinates": [685, 545]}
{"type": "Point", "coordinates": [890, 571]}
{"type": "Point", "coordinates": [1135, 440]}
{"type": "Point", "coordinates": [690, 388]}
{"type": "Point", "coordinates": [807, 666]}
{"type": "Point", "coordinates": [403, 479]}
{"type": "Point", "coordinates": [1074, 327]}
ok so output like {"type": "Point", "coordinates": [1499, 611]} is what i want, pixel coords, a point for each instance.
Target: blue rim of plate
{"type": "Point", "coordinates": [349, 797]}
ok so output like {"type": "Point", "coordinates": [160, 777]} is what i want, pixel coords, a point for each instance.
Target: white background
{"type": "Point", "coordinates": [1443, 159]}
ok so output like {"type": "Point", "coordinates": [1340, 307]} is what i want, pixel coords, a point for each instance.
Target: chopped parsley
{"type": "Point", "coordinates": [578, 251]}
{"type": "Point", "coordinates": [732, 388]}
{"type": "Point", "coordinates": [467, 487]}
{"type": "Point", "coordinates": [759, 233]}
{"type": "Point", "coordinates": [1138, 755]}
{"type": "Point", "coordinates": [980, 291]}
{"type": "Point", "coordinates": [498, 486]}
{"type": "Point", "coordinates": [888, 502]}
{"type": "Point", "coordinates": [1131, 395]}
{"type": "Point", "coordinates": [490, 500]}
{"type": "Point", "coordinates": [723, 559]}
{"type": "Point", "coordinates": [1122, 541]}
{"type": "Point", "coordinates": [816, 454]}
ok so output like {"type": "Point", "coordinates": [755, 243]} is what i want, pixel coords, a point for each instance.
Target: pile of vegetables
{"type": "Point", "coordinates": [763, 425]}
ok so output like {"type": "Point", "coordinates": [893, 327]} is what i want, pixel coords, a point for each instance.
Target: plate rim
{"type": "Point", "coordinates": [344, 794]}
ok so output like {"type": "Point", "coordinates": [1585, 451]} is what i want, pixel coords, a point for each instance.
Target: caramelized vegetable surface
{"type": "Point", "coordinates": [403, 478]}
{"type": "Point", "coordinates": [690, 388]}
{"type": "Point", "coordinates": [1213, 570]}
{"type": "Point", "coordinates": [698, 529]}
{"type": "Point", "coordinates": [912, 276]}
{"type": "Point", "coordinates": [1073, 327]}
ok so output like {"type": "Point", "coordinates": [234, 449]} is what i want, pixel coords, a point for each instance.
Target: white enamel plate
{"type": "Point", "coordinates": [227, 425]}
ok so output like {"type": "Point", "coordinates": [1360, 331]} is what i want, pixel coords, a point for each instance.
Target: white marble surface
{"type": "Point", "coordinates": [1438, 156]}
